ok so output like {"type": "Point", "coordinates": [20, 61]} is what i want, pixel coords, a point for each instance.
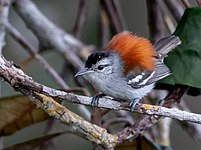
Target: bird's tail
{"type": "Point", "coordinates": [166, 44]}
{"type": "Point", "coordinates": [163, 47]}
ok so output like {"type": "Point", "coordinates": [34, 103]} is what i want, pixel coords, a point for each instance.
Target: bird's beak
{"type": "Point", "coordinates": [83, 72]}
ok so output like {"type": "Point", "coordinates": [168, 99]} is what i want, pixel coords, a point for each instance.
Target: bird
{"type": "Point", "coordinates": [128, 67]}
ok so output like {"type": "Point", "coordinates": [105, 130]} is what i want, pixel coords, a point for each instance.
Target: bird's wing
{"type": "Point", "coordinates": [162, 47]}
{"type": "Point", "coordinates": [161, 72]}
{"type": "Point", "coordinates": [140, 80]}
{"type": "Point", "coordinates": [146, 78]}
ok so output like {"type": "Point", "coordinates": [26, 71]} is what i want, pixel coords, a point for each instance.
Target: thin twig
{"type": "Point", "coordinates": [81, 18]}
{"type": "Point", "coordinates": [198, 2]}
{"type": "Point", "coordinates": [147, 121]}
{"type": "Point", "coordinates": [77, 32]}
{"type": "Point", "coordinates": [156, 27]}
{"type": "Point", "coordinates": [169, 23]}
{"type": "Point", "coordinates": [113, 15]}
{"type": "Point", "coordinates": [5, 5]}
{"type": "Point", "coordinates": [104, 28]}
{"type": "Point", "coordinates": [187, 3]}
{"type": "Point", "coordinates": [118, 9]}
{"type": "Point", "coordinates": [176, 9]}
{"type": "Point", "coordinates": [167, 20]}
{"type": "Point", "coordinates": [30, 49]}
{"type": "Point", "coordinates": [164, 129]}
{"type": "Point", "coordinates": [86, 129]}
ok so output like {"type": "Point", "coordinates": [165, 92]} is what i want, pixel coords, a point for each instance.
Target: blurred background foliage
{"type": "Point", "coordinates": [63, 13]}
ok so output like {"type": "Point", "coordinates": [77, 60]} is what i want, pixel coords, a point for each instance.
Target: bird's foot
{"type": "Point", "coordinates": [133, 103]}
{"type": "Point", "coordinates": [95, 99]}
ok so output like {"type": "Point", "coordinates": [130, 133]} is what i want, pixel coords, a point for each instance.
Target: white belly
{"type": "Point", "coordinates": [120, 90]}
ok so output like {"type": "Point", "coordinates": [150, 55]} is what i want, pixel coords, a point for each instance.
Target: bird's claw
{"type": "Point", "coordinates": [133, 104]}
{"type": "Point", "coordinates": [95, 99]}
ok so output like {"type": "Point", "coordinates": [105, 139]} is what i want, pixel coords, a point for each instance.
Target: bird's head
{"type": "Point", "coordinates": [102, 64]}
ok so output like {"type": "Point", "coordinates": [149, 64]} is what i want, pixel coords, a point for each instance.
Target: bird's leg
{"type": "Point", "coordinates": [133, 103]}
{"type": "Point", "coordinates": [96, 98]}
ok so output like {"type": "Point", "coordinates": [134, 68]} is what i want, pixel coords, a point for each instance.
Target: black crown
{"type": "Point", "coordinates": [94, 58]}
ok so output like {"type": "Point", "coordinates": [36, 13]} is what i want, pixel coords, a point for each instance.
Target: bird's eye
{"type": "Point", "coordinates": [101, 67]}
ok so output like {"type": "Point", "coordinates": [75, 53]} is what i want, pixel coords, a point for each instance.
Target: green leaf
{"type": "Point", "coordinates": [185, 60]}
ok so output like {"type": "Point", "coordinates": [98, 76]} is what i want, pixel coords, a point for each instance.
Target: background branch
{"type": "Point", "coordinates": [113, 11]}
{"type": "Point", "coordinates": [175, 8]}
{"type": "Point", "coordinates": [3, 17]}
{"type": "Point", "coordinates": [30, 49]}
{"type": "Point", "coordinates": [147, 121]}
{"type": "Point", "coordinates": [187, 4]}
{"type": "Point", "coordinates": [81, 18]}
{"type": "Point", "coordinates": [155, 21]}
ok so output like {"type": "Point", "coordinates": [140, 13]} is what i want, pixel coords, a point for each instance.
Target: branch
{"type": "Point", "coordinates": [17, 78]}
{"type": "Point", "coordinates": [164, 129]}
{"type": "Point", "coordinates": [84, 128]}
{"type": "Point", "coordinates": [3, 17]}
{"type": "Point", "coordinates": [104, 28]}
{"type": "Point", "coordinates": [30, 49]}
{"type": "Point", "coordinates": [114, 13]}
{"type": "Point", "coordinates": [147, 121]}
{"type": "Point", "coordinates": [199, 2]}
{"type": "Point", "coordinates": [81, 18]}
{"type": "Point", "coordinates": [187, 4]}
{"type": "Point", "coordinates": [175, 8]}
{"type": "Point", "coordinates": [155, 21]}
{"type": "Point", "coordinates": [169, 23]}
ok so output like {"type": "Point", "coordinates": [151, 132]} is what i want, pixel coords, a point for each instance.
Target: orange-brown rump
{"type": "Point", "coordinates": [135, 51]}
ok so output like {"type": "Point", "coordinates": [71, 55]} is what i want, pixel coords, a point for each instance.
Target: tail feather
{"type": "Point", "coordinates": [166, 44]}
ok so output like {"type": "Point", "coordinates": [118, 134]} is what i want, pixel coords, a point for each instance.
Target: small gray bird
{"type": "Point", "coordinates": [128, 67]}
